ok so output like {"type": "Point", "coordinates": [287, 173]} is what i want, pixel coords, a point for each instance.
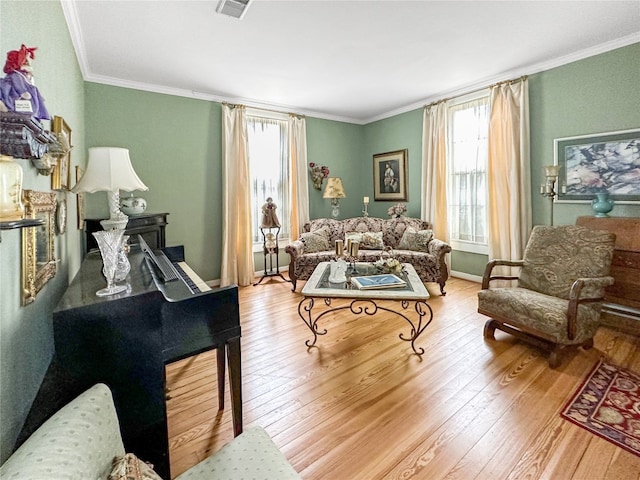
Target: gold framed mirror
{"type": "Point", "coordinates": [38, 255]}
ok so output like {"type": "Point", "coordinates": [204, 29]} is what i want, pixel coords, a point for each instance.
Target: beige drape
{"type": "Point", "coordinates": [298, 186]}
{"type": "Point", "coordinates": [237, 256]}
{"type": "Point", "coordinates": [434, 169]}
{"type": "Point", "coordinates": [508, 181]}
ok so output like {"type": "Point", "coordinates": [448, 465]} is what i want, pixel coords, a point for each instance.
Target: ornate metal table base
{"type": "Point", "coordinates": [370, 307]}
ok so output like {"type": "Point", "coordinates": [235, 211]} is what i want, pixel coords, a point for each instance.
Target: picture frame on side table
{"type": "Point", "coordinates": [390, 176]}
{"type": "Point", "coordinates": [599, 163]}
{"type": "Point", "coordinates": [61, 173]}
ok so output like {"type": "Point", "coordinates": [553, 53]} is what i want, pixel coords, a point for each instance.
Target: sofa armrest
{"type": "Point", "coordinates": [295, 249]}
{"type": "Point", "coordinates": [79, 441]}
{"type": "Point", "coordinates": [438, 248]}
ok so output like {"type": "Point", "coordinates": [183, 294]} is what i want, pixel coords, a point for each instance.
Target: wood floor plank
{"type": "Point", "coordinates": [361, 405]}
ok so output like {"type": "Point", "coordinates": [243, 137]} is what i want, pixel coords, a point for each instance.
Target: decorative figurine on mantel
{"type": "Point", "coordinates": [18, 92]}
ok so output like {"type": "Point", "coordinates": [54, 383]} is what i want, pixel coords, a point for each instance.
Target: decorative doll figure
{"type": "Point", "coordinates": [269, 218]}
{"type": "Point", "coordinates": [19, 85]}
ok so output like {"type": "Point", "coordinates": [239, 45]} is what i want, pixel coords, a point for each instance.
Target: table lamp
{"type": "Point", "coordinates": [334, 190]}
{"type": "Point", "coordinates": [109, 169]}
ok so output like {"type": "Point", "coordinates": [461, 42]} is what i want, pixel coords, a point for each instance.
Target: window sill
{"type": "Point", "coordinates": [469, 247]}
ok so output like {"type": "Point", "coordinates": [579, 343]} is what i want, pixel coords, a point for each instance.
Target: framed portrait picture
{"type": "Point", "coordinates": [80, 199]}
{"type": "Point", "coordinates": [597, 163]}
{"type": "Point", "coordinates": [390, 176]}
{"type": "Point", "coordinates": [61, 173]}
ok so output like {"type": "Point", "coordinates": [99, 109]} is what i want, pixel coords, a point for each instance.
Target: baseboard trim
{"type": "Point", "coordinates": [466, 276]}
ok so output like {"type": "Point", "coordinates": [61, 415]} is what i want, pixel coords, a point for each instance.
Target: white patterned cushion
{"type": "Point", "coordinates": [78, 442]}
{"type": "Point", "coordinates": [251, 455]}
{"type": "Point", "coordinates": [316, 241]}
{"type": "Point", "coordinates": [417, 240]}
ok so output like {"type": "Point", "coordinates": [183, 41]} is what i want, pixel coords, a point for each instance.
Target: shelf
{"type": "Point", "coordinates": [24, 223]}
{"type": "Point", "coordinates": [27, 222]}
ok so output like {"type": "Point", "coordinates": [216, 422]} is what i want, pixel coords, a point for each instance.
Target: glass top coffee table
{"type": "Point", "coordinates": [413, 293]}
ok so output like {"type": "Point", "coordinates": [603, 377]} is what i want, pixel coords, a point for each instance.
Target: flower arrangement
{"type": "Point", "coordinates": [388, 265]}
{"type": "Point", "coordinates": [397, 210]}
{"type": "Point", "coordinates": [318, 174]}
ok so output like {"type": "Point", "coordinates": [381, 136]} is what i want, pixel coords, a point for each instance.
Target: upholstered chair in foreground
{"type": "Point", "coordinates": [559, 292]}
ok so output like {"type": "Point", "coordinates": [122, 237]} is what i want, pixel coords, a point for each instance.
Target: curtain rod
{"type": "Point", "coordinates": [512, 81]}
{"type": "Point", "coordinates": [234, 105]}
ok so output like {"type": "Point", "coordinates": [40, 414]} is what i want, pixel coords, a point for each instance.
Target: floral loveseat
{"type": "Point", "coordinates": [409, 238]}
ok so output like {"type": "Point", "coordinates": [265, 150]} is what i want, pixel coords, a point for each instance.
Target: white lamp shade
{"type": "Point", "coordinates": [109, 169]}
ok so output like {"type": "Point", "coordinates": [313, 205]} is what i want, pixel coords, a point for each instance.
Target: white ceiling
{"type": "Point", "coordinates": [356, 61]}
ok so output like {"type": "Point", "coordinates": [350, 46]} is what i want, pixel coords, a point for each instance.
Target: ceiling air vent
{"type": "Point", "coordinates": [233, 8]}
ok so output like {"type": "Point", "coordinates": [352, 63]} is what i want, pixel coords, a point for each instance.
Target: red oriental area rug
{"type": "Point", "coordinates": [608, 404]}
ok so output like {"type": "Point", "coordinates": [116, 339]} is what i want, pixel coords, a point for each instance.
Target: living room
{"type": "Point", "coordinates": [175, 146]}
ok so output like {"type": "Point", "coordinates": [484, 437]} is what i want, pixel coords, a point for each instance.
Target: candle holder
{"type": "Point", "coordinates": [365, 202]}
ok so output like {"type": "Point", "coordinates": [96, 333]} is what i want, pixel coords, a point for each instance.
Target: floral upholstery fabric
{"type": "Point", "coordinates": [430, 265]}
{"type": "Point", "coordinates": [316, 241]}
{"type": "Point", "coordinates": [555, 257]}
{"type": "Point", "coordinates": [416, 240]}
{"type": "Point", "coordinates": [130, 467]}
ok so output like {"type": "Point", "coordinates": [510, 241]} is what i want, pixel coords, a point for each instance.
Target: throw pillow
{"type": "Point", "coordinates": [417, 240]}
{"type": "Point", "coordinates": [353, 236]}
{"type": "Point", "coordinates": [371, 241]}
{"type": "Point", "coordinates": [130, 467]}
{"type": "Point", "coordinates": [317, 241]}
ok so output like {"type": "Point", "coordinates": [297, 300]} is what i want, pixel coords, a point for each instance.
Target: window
{"type": "Point", "coordinates": [269, 170]}
{"type": "Point", "coordinates": [468, 126]}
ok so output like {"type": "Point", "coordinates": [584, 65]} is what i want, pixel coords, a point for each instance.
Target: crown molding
{"type": "Point", "coordinates": [529, 70]}
{"type": "Point", "coordinates": [71, 17]}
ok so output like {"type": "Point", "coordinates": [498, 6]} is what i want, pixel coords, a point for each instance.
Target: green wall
{"type": "Point", "coordinates": [175, 148]}
{"type": "Point", "coordinates": [597, 94]}
{"type": "Point", "coordinates": [174, 144]}
{"type": "Point", "coordinates": [26, 343]}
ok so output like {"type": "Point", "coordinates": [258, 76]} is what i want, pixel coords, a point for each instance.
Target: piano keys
{"type": "Point", "coordinates": [125, 341]}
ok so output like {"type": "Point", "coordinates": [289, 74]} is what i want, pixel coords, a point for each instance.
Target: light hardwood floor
{"type": "Point", "coordinates": [361, 406]}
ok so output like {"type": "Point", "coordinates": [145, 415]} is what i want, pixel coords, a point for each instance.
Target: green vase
{"type": "Point", "coordinates": [602, 205]}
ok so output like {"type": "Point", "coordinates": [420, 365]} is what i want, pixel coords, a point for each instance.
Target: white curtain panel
{"type": "Point", "coordinates": [509, 172]}
{"type": "Point", "coordinates": [434, 169]}
{"type": "Point", "coordinates": [237, 255]}
{"type": "Point", "coordinates": [299, 186]}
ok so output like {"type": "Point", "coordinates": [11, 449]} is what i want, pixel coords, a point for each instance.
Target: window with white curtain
{"type": "Point", "coordinates": [269, 170]}
{"type": "Point", "coordinates": [467, 154]}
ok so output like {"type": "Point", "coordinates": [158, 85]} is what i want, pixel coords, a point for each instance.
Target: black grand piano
{"type": "Point", "coordinates": [125, 341]}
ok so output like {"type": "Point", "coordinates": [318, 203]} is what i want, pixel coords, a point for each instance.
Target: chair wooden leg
{"type": "Point", "coordinates": [489, 329]}
{"type": "Point", "coordinates": [554, 357]}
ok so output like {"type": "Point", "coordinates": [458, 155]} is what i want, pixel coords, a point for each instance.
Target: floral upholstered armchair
{"type": "Point", "coordinates": [559, 292]}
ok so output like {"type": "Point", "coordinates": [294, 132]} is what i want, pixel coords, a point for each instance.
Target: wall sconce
{"type": "Point", "coordinates": [334, 190]}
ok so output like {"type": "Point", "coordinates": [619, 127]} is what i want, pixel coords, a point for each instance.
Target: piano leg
{"type": "Point", "coordinates": [235, 381]}
{"type": "Point", "coordinates": [220, 353]}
